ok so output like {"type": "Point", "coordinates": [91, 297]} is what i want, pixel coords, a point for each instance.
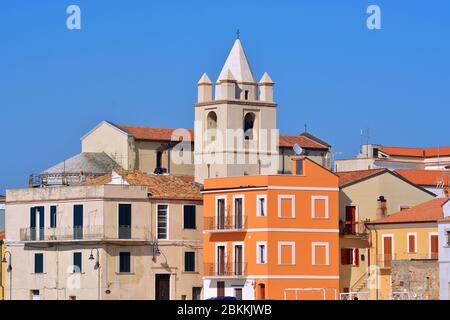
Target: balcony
{"type": "Point", "coordinates": [88, 233]}
{"type": "Point", "coordinates": [223, 224]}
{"type": "Point", "coordinates": [384, 261]}
{"type": "Point", "coordinates": [233, 269]}
{"type": "Point", "coordinates": [355, 229]}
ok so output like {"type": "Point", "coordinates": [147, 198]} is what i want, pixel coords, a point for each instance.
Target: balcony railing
{"type": "Point", "coordinates": [385, 260]}
{"type": "Point", "coordinates": [233, 269]}
{"type": "Point", "coordinates": [86, 233]}
{"type": "Point", "coordinates": [233, 222]}
{"type": "Point", "coordinates": [357, 229]}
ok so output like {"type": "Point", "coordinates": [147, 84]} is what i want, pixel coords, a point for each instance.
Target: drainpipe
{"type": "Point", "coordinates": [1, 271]}
{"type": "Point", "coordinates": [376, 257]}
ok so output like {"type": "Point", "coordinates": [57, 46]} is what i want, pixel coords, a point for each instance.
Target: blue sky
{"type": "Point", "coordinates": [138, 62]}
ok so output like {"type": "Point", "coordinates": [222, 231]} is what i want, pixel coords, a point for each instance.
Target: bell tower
{"type": "Point", "coordinates": [236, 130]}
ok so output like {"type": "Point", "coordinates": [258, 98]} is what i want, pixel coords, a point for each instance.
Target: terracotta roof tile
{"type": "Point", "coordinates": [347, 177]}
{"type": "Point", "coordinates": [2, 198]}
{"type": "Point", "coordinates": [2, 235]}
{"type": "Point", "coordinates": [153, 133]}
{"type": "Point", "coordinates": [304, 140]}
{"type": "Point", "coordinates": [416, 152]}
{"type": "Point", "coordinates": [425, 177]}
{"type": "Point", "coordinates": [171, 187]}
{"type": "Point", "coordinates": [430, 211]}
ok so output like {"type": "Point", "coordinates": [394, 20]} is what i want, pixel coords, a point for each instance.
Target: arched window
{"type": "Point", "coordinates": [211, 126]}
{"type": "Point", "coordinates": [249, 124]}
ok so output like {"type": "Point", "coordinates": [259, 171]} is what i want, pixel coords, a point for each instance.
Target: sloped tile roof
{"type": "Point", "coordinates": [430, 211]}
{"type": "Point", "coordinates": [347, 177]}
{"type": "Point", "coordinates": [416, 152]}
{"type": "Point", "coordinates": [170, 187]}
{"type": "Point", "coordinates": [304, 140]}
{"type": "Point", "coordinates": [425, 177]}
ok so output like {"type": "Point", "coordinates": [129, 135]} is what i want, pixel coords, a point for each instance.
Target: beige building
{"type": "Point", "coordinates": [367, 195]}
{"type": "Point", "coordinates": [125, 235]}
{"type": "Point", "coordinates": [373, 156]}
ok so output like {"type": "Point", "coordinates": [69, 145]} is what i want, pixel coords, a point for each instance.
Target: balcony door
{"type": "Point", "coordinates": [238, 214]}
{"type": "Point", "coordinates": [350, 220]}
{"type": "Point", "coordinates": [434, 245]}
{"type": "Point", "coordinates": [37, 220]}
{"type": "Point", "coordinates": [221, 260]}
{"type": "Point", "coordinates": [78, 222]}
{"type": "Point", "coordinates": [221, 218]}
{"type": "Point", "coordinates": [387, 251]}
{"type": "Point", "coordinates": [124, 221]}
{"type": "Point", "coordinates": [238, 260]}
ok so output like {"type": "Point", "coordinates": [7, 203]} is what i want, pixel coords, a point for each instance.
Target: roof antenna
{"type": "Point", "coordinates": [306, 128]}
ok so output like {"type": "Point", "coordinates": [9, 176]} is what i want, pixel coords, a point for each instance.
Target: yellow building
{"type": "Point", "coordinates": [404, 253]}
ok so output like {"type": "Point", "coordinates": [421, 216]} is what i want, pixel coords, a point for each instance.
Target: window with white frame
{"type": "Point", "coordinates": [261, 205]}
{"type": "Point", "coordinates": [163, 221]}
{"type": "Point", "coordinates": [286, 253]}
{"type": "Point", "coordinates": [261, 252]}
{"type": "Point", "coordinates": [320, 253]}
{"type": "Point", "coordinates": [286, 206]}
{"type": "Point", "coordinates": [319, 207]}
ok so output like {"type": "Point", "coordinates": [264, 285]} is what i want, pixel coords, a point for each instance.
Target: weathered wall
{"type": "Point", "coordinates": [418, 277]}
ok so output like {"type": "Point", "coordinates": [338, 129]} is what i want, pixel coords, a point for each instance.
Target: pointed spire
{"type": "Point", "coordinates": [204, 80]}
{"type": "Point", "coordinates": [266, 79]}
{"type": "Point", "coordinates": [227, 76]}
{"type": "Point", "coordinates": [237, 64]}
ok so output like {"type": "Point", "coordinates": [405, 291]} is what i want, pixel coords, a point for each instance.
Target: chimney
{"type": "Point", "coordinates": [381, 208]}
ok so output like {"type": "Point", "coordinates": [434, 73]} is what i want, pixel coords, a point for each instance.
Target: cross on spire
{"type": "Point", "coordinates": [238, 33]}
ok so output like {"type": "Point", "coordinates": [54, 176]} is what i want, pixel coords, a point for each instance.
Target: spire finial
{"type": "Point", "coordinates": [238, 33]}
{"type": "Point", "coordinates": [306, 127]}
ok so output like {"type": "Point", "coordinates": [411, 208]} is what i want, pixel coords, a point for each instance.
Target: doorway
{"type": "Point", "coordinates": [162, 287]}
{"type": "Point", "coordinates": [434, 245]}
{"type": "Point", "coordinates": [220, 288]}
{"type": "Point", "coordinates": [261, 291]}
{"type": "Point", "coordinates": [387, 251]}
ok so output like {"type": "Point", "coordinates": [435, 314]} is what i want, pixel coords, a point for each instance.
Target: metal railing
{"type": "Point", "coordinates": [225, 269]}
{"type": "Point", "coordinates": [355, 229]}
{"type": "Point", "coordinates": [61, 178]}
{"type": "Point", "coordinates": [230, 222]}
{"type": "Point", "coordinates": [86, 233]}
{"type": "Point", "coordinates": [384, 261]}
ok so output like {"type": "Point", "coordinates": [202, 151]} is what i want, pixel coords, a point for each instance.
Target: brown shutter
{"type": "Point", "coordinates": [343, 256]}
{"type": "Point", "coordinates": [356, 252]}
{"type": "Point", "coordinates": [412, 244]}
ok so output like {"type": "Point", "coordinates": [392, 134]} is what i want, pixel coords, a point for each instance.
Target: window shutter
{"type": "Point", "coordinates": [343, 256]}
{"type": "Point", "coordinates": [356, 253]}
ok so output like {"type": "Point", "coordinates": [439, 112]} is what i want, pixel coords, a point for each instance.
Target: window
{"type": "Point", "coordinates": [163, 221]}
{"type": "Point", "coordinates": [38, 263]}
{"type": "Point", "coordinates": [286, 253]}
{"type": "Point", "coordinates": [286, 206]}
{"type": "Point", "coordinates": [319, 207]}
{"type": "Point", "coordinates": [351, 225]}
{"type": "Point", "coordinates": [124, 262]}
{"type": "Point", "coordinates": [238, 211]}
{"type": "Point", "coordinates": [412, 242]}
{"type": "Point", "coordinates": [189, 261]}
{"type": "Point", "coordinates": [261, 252]}
{"type": "Point", "coordinates": [249, 123]}
{"type": "Point", "coordinates": [404, 208]}
{"type": "Point", "coordinates": [196, 293]}
{"type": "Point", "coordinates": [211, 126]}
{"type": "Point", "coordinates": [246, 94]}
{"type": "Point", "coordinates": [299, 167]}
{"type": "Point", "coordinates": [320, 253]}
{"type": "Point", "coordinates": [261, 205]}
{"type": "Point", "coordinates": [124, 221]}
{"type": "Point", "coordinates": [448, 238]}
{"type": "Point", "coordinates": [238, 293]}
{"type": "Point", "coordinates": [189, 217]}
{"type": "Point", "coordinates": [350, 256]}
{"type": "Point", "coordinates": [78, 221]}
{"type": "Point", "coordinates": [220, 213]}
{"type": "Point", "coordinates": [77, 263]}
{"type": "Point", "coordinates": [53, 217]}
{"type": "Point", "coordinates": [37, 223]}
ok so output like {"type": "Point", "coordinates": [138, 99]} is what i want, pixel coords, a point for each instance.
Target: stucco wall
{"type": "Point", "coordinates": [444, 261]}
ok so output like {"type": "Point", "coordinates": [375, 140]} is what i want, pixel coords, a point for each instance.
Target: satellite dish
{"type": "Point", "coordinates": [297, 149]}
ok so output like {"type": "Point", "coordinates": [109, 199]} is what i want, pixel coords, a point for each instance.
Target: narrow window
{"type": "Point", "coordinates": [162, 221]}
{"type": "Point", "coordinates": [159, 160]}
{"type": "Point", "coordinates": [448, 238]}
{"type": "Point", "coordinates": [196, 293]}
{"type": "Point", "coordinates": [221, 218]}
{"type": "Point", "coordinates": [261, 206]}
{"type": "Point", "coordinates": [286, 206]}
{"type": "Point", "coordinates": [238, 293]}
{"type": "Point", "coordinates": [261, 253]}
{"type": "Point", "coordinates": [299, 167]}
{"type": "Point", "coordinates": [78, 221]}
{"type": "Point", "coordinates": [38, 263]}
{"type": "Point", "coordinates": [189, 217]}
{"type": "Point", "coordinates": [320, 254]}
{"type": "Point", "coordinates": [124, 262]}
{"type": "Point", "coordinates": [411, 243]}
{"type": "Point", "coordinates": [77, 262]}
{"type": "Point", "coordinates": [249, 123]}
{"type": "Point", "coordinates": [53, 217]}
{"type": "Point", "coordinates": [246, 93]}
{"type": "Point", "coordinates": [189, 261]}
{"type": "Point", "coordinates": [238, 213]}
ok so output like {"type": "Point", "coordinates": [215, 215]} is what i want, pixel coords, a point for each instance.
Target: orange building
{"type": "Point", "coordinates": [273, 236]}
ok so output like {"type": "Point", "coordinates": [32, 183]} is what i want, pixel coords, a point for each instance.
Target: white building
{"type": "Point", "coordinates": [444, 254]}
